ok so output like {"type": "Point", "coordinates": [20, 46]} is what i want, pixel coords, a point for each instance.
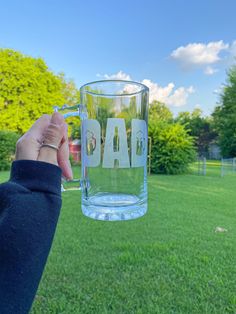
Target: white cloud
{"type": "Point", "coordinates": [157, 92]}
{"type": "Point", "coordinates": [200, 55]}
{"type": "Point", "coordinates": [168, 94]}
{"type": "Point", "coordinates": [210, 70]}
{"type": "Point", "coordinates": [118, 76]}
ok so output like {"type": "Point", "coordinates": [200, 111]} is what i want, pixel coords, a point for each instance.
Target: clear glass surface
{"type": "Point", "coordinates": [114, 139]}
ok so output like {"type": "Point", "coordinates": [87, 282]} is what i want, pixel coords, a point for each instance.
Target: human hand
{"type": "Point", "coordinates": [50, 130]}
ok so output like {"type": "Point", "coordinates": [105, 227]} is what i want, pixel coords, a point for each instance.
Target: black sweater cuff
{"type": "Point", "coordinates": [37, 176]}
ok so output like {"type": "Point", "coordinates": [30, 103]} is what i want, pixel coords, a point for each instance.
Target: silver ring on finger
{"type": "Point", "coordinates": [49, 145]}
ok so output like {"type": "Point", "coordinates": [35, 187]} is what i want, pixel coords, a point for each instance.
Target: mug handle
{"type": "Point", "coordinates": [73, 111]}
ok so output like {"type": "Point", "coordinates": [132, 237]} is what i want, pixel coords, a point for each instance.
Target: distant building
{"type": "Point", "coordinates": [214, 151]}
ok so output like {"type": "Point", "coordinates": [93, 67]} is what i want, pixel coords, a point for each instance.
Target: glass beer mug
{"type": "Point", "coordinates": [114, 139]}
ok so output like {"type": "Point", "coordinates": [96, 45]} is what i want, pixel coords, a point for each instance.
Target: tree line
{"type": "Point", "coordinates": [28, 89]}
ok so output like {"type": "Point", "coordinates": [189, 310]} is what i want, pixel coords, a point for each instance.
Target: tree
{"type": "Point", "coordinates": [72, 97]}
{"type": "Point", "coordinates": [8, 141]}
{"type": "Point", "coordinates": [199, 127]}
{"type": "Point", "coordinates": [172, 148]}
{"type": "Point", "coordinates": [225, 116]}
{"type": "Point", "coordinates": [28, 89]}
{"type": "Point", "coordinates": [69, 91]}
{"type": "Point", "coordinates": [159, 112]}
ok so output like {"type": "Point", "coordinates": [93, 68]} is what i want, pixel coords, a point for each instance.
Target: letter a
{"type": "Point", "coordinates": [111, 154]}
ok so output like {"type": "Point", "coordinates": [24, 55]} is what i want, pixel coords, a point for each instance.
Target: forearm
{"type": "Point", "coordinates": [29, 208]}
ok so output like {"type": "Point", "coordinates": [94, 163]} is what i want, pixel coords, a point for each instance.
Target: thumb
{"type": "Point", "coordinates": [53, 135]}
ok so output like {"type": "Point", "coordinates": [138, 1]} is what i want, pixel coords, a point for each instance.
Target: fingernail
{"type": "Point", "coordinates": [57, 118]}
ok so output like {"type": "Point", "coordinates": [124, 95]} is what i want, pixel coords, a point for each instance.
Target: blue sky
{"type": "Point", "coordinates": [181, 49]}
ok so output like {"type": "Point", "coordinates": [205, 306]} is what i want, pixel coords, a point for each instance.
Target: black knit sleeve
{"type": "Point", "coordinates": [29, 208]}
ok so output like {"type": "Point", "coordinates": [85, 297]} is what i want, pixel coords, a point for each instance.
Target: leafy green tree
{"type": "Point", "coordinates": [28, 89]}
{"type": "Point", "coordinates": [225, 116]}
{"type": "Point", "coordinates": [8, 141]}
{"type": "Point", "coordinates": [69, 91]}
{"type": "Point", "coordinates": [72, 98]}
{"type": "Point", "coordinates": [201, 128]}
{"type": "Point", "coordinates": [159, 112]}
{"type": "Point", "coordinates": [172, 148]}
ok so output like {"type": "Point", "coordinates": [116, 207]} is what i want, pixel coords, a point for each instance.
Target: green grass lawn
{"type": "Point", "coordinates": [169, 261]}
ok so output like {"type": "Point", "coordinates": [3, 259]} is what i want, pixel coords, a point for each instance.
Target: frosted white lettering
{"type": "Point", "coordinates": [92, 140]}
{"type": "Point", "coordinates": [138, 143]}
{"type": "Point", "coordinates": [116, 152]}
{"type": "Point", "coordinates": [116, 130]}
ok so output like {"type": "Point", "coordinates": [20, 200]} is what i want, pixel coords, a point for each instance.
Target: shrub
{"type": "Point", "coordinates": [8, 141]}
{"type": "Point", "coordinates": [172, 148]}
